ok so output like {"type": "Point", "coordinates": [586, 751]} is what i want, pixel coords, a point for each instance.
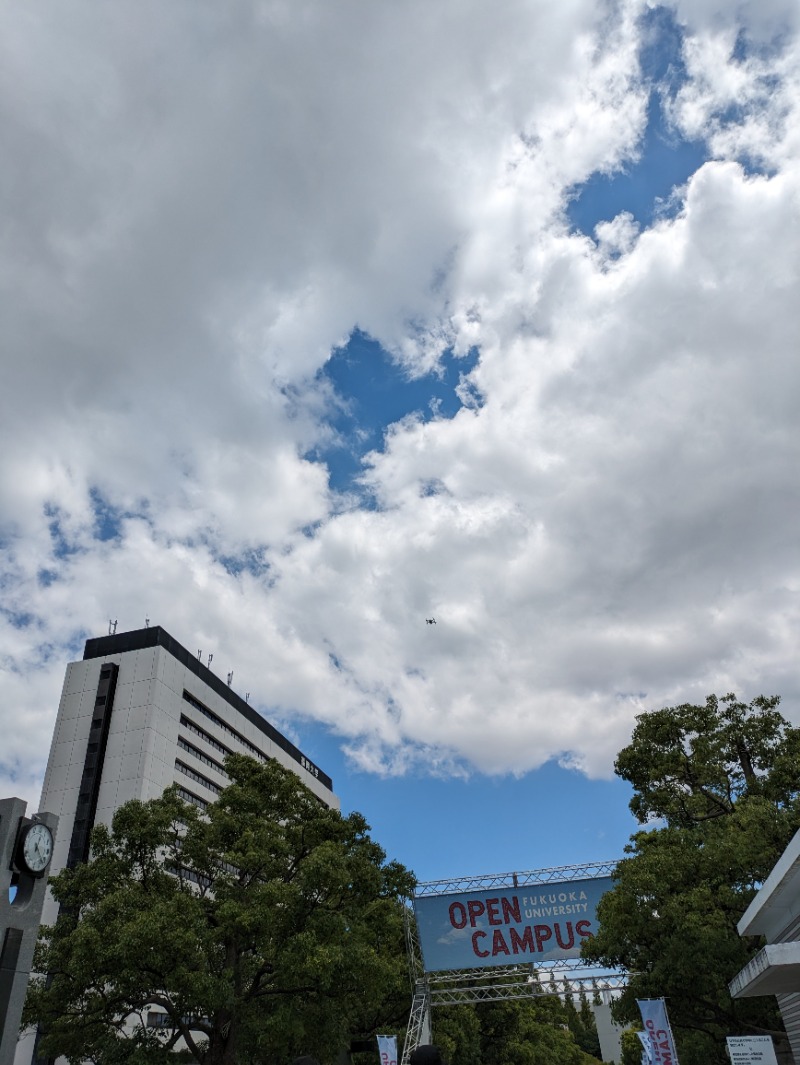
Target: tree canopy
{"type": "Point", "coordinates": [265, 927]}
{"type": "Point", "coordinates": [538, 1031]}
{"type": "Point", "coordinates": [719, 786]}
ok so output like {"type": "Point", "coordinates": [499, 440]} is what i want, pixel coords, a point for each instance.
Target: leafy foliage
{"type": "Point", "coordinates": [689, 764]}
{"type": "Point", "coordinates": [724, 780]}
{"type": "Point", "coordinates": [540, 1031]}
{"type": "Point", "coordinates": [267, 927]}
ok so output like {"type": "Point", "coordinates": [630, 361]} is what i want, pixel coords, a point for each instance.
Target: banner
{"type": "Point", "coordinates": [657, 1031]}
{"type": "Point", "coordinates": [647, 1054]}
{"type": "Point", "coordinates": [387, 1048]}
{"type": "Point", "coordinates": [752, 1050]}
{"type": "Point", "coordinates": [507, 926]}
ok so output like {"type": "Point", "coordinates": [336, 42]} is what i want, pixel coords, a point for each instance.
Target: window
{"type": "Point", "coordinates": [192, 727]}
{"type": "Point", "coordinates": [189, 796]}
{"type": "Point", "coordinates": [197, 777]}
{"type": "Point", "coordinates": [251, 748]}
{"type": "Point", "coordinates": [195, 752]}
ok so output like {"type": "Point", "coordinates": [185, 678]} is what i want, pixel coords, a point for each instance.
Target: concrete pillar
{"type": "Point", "coordinates": [19, 924]}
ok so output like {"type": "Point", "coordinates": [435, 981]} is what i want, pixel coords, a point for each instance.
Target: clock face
{"type": "Point", "coordinates": [37, 847]}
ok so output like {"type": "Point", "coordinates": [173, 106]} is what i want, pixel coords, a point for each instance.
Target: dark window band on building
{"type": "Point", "coordinates": [198, 778]}
{"type": "Point", "coordinates": [189, 796]}
{"type": "Point", "coordinates": [224, 726]}
{"type": "Point", "coordinates": [195, 752]}
{"type": "Point", "coordinates": [187, 723]}
{"type": "Point", "coordinates": [140, 639]}
{"type": "Point", "coordinates": [93, 765]}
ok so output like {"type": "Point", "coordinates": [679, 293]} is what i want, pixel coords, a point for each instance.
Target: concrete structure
{"type": "Point", "coordinates": [19, 918]}
{"type": "Point", "coordinates": [137, 714]}
{"type": "Point", "coordinates": [608, 1031]}
{"type": "Point", "coordinates": [775, 914]}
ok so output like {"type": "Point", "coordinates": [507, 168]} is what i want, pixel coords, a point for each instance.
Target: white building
{"type": "Point", "coordinates": [137, 714]}
{"type": "Point", "coordinates": [775, 914]}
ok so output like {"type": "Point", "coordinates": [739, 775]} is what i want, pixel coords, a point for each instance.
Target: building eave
{"type": "Point", "coordinates": [775, 970]}
{"type": "Point", "coordinates": [777, 903]}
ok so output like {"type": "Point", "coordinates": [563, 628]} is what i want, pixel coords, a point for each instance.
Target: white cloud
{"type": "Point", "coordinates": [203, 202]}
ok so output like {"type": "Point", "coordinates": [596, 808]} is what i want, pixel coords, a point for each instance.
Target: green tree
{"type": "Point", "coordinates": [720, 782]}
{"type": "Point", "coordinates": [518, 1032]}
{"type": "Point", "coordinates": [529, 1032]}
{"type": "Point", "coordinates": [582, 1025]}
{"type": "Point", "coordinates": [266, 927]}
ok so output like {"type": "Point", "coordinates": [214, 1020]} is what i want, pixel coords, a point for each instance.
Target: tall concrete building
{"type": "Point", "coordinates": [139, 713]}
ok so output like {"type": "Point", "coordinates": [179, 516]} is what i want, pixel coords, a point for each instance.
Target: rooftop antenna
{"type": "Point", "coordinates": [247, 697]}
{"type": "Point", "coordinates": [147, 623]}
{"type": "Point", "coordinates": [230, 678]}
{"type": "Point", "coordinates": [210, 659]}
{"type": "Point", "coordinates": [112, 627]}
{"type": "Point", "coordinates": [199, 655]}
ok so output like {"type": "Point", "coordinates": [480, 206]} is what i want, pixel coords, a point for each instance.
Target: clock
{"type": "Point", "coordinates": [34, 848]}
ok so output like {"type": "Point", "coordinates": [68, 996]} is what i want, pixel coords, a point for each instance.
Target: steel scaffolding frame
{"type": "Point", "coordinates": [587, 871]}
{"type": "Point", "coordinates": [458, 986]}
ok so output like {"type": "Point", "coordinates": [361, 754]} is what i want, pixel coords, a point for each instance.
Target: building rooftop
{"type": "Point", "coordinates": [155, 636]}
{"type": "Point", "coordinates": [777, 903]}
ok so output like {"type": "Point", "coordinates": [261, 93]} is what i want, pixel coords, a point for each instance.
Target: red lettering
{"type": "Point", "coordinates": [542, 933]}
{"type": "Point", "coordinates": [492, 906]}
{"type": "Point", "coordinates": [475, 937]}
{"type": "Point", "coordinates": [458, 915]}
{"type": "Point", "coordinates": [511, 909]}
{"type": "Point", "coordinates": [522, 942]}
{"type": "Point", "coordinates": [476, 909]}
{"type": "Point", "coordinates": [583, 929]}
{"type": "Point", "coordinates": [499, 944]}
{"type": "Point", "coordinates": [571, 933]}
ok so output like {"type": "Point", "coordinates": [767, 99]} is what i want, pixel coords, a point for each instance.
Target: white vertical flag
{"type": "Point", "coordinates": [387, 1048]}
{"type": "Point", "coordinates": [647, 1053]}
{"type": "Point", "coordinates": [657, 1030]}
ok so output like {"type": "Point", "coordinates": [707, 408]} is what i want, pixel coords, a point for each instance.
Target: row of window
{"type": "Point", "coordinates": [210, 740]}
{"type": "Point", "coordinates": [197, 753]}
{"type": "Point", "coordinates": [251, 748]}
{"type": "Point", "coordinates": [184, 745]}
{"type": "Point", "coordinates": [189, 874]}
{"type": "Point", "coordinates": [189, 796]}
{"type": "Point", "coordinates": [192, 774]}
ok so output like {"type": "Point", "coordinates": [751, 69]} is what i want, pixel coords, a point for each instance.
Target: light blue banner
{"type": "Point", "coordinates": [657, 1031]}
{"type": "Point", "coordinates": [387, 1048]}
{"type": "Point", "coordinates": [507, 926]}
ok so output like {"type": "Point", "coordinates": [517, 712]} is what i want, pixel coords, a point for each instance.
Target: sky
{"type": "Point", "coordinates": [320, 320]}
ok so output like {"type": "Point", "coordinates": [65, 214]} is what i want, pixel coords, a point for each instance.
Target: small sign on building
{"type": "Point", "coordinates": [751, 1050]}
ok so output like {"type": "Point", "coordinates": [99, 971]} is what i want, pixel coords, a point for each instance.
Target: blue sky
{"type": "Point", "coordinates": [445, 827]}
{"type": "Point", "coordinates": [555, 816]}
{"type": "Point", "coordinates": [373, 392]}
{"type": "Point", "coordinates": [346, 323]}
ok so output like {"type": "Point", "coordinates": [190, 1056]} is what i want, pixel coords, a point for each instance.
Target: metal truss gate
{"type": "Point", "coordinates": [505, 983]}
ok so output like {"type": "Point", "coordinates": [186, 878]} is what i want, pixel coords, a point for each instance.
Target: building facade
{"type": "Point", "coordinates": [775, 914]}
{"type": "Point", "coordinates": [137, 714]}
